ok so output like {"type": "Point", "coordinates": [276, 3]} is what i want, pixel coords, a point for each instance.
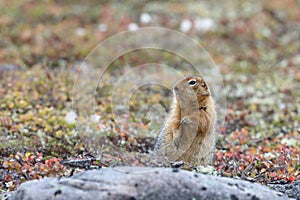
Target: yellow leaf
{"type": "Point", "coordinates": [27, 154]}
{"type": "Point", "coordinates": [290, 169]}
{"type": "Point", "coordinates": [11, 105]}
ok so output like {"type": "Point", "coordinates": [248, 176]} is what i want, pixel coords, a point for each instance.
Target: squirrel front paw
{"type": "Point", "coordinates": [185, 120]}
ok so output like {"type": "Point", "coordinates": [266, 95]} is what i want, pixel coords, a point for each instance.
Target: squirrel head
{"type": "Point", "coordinates": [191, 88]}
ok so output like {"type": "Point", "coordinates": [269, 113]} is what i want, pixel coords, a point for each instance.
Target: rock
{"type": "Point", "coordinates": [4, 67]}
{"type": "Point", "coordinates": [143, 183]}
{"type": "Point", "coordinates": [292, 190]}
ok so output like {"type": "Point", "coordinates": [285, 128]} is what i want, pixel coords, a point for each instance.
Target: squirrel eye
{"type": "Point", "coordinates": [192, 82]}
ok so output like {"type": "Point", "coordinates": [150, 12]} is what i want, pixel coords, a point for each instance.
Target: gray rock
{"type": "Point", "coordinates": [5, 67]}
{"type": "Point", "coordinates": [143, 183]}
{"type": "Point", "coordinates": [292, 190]}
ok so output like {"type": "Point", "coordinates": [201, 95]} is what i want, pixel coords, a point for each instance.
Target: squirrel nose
{"type": "Point", "coordinates": [176, 88]}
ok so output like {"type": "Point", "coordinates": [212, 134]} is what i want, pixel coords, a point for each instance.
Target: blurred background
{"type": "Point", "coordinates": [256, 45]}
{"type": "Point", "coordinates": [55, 33]}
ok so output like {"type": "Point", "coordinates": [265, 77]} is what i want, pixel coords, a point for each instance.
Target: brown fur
{"type": "Point", "coordinates": [188, 133]}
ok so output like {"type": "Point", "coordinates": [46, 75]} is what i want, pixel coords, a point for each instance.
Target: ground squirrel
{"type": "Point", "coordinates": [188, 133]}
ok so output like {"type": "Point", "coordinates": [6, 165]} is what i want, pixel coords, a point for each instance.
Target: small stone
{"type": "Point", "coordinates": [254, 198]}
{"type": "Point", "coordinates": [175, 170]}
{"type": "Point", "coordinates": [57, 192]}
{"type": "Point", "coordinates": [233, 197]}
